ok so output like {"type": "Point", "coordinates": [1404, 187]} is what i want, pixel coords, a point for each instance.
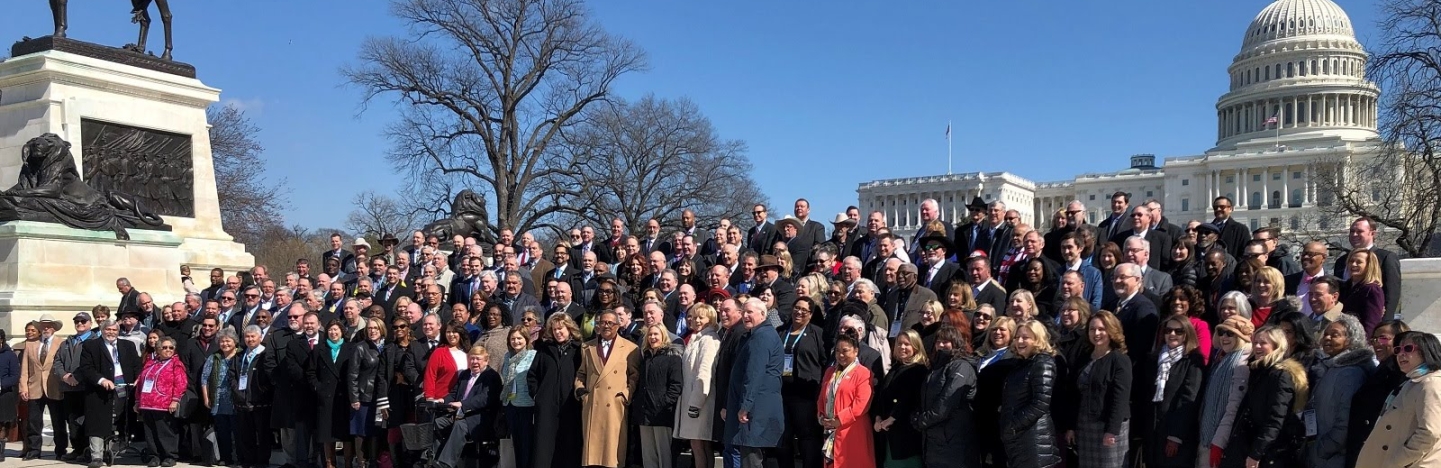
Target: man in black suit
{"type": "Point", "coordinates": [689, 228]}
{"type": "Point", "coordinates": [1001, 235]}
{"type": "Point", "coordinates": [936, 271]}
{"type": "Point", "coordinates": [769, 273]}
{"type": "Point", "coordinates": [1160, 223]}
{"type": "Point", "coordinates": [515, 298]}
{"type": "Point", "coordinates": [1075, 218]}
{"type": "Point", "coordinates": [337, 252]}
{"type": "Point", "coordinates": [104, 364]}
{"type": "Point", "coordinates": [1137, 313]}
{"type": "Point", "coordinates": [1115, 223]}
{"type": "Point", "coordinates": [563, 301]}
{"type": "Point", "coordinates": [1313, 266]}
{"type": "Point", "coordinates": [465, 283]}
{"type": "Point", "coordinates": [1270, 238]}
{"type": "Point", "coordinates": [1233, 234]}
{"type": "Point", "coordinates": [605, 251]}
{"type": "Point", "coordinates": [129, 297]}
{"type": "Point", "coordinates": [865, 246]}
{"type": "Point", "coordinates": [810, 235]}
{"type": "Point", "coordinates": [394, 288]}
{"type": "Point", "coordinates": [291, 349]}
{"type": "Point", "coordinates": [985, 289]}
{"type": "Point", "coordinates": [1363, 236]}
{"type": "Point", "coordinates": [249, 308]}
{"type": "Point", "coordinates": [930, 211]}
{"type": "Point", "coordinates": [1141, 227]}
{"type": "Point", "coordinates": [651, 240]}
{"type": "Point", "coordinates": [476, 400]}
{"type": "Point", "coordinates": [972, 235]}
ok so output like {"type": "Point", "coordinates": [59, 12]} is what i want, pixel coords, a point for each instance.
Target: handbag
{"type": "Point", "coordinates": [189, 404]}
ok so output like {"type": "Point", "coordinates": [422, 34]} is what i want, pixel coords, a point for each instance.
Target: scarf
{"type": "Point", "coordinates": [1163, 371]}
{"type": "Point", "coordinates": [830, 445]}
{"type": "Point", "coordinates": [1411, 377]}
{"type": "Point", "coordinates": [1217, 392]}
{"type": "Point", "coordinates": [334, 348]}
{"type": "Point", "coordinates": [218, 369]}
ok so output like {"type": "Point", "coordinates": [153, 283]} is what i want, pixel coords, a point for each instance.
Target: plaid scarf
{"type": "Point", "coordinates": [1163, 372]}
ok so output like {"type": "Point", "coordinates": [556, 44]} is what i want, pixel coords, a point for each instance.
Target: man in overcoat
{"type": "Point", "coordinates": [609, 372]}
{"type": "Point", "coordinates": [755, 390]}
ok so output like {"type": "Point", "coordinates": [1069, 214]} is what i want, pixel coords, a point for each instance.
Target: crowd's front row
{"type": "Point", "coordinates": [1031, 393]}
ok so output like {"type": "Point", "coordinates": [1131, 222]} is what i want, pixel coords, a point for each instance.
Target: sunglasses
{"type": "Point", "coordinates": [82, 321]}
{"type": "Point", "coordinates": [227, 298]}
{"type": "Point", "coordinates": [167, 347]}
{"type": "Point", "coordinates": [1175, 331]}
{"type": "Point", "coordinates": [933, 247]}
{"type": "Point", "coordinates": [1408, 349]}
{"type": "Point", "coordinates": [1220, 207]}
{"type": "Point", "coordinates": [252, 296]}
{"type": "Point", "coordinates": [1227, 334]}
{"type": "Point", "coordinates": [528, 320]}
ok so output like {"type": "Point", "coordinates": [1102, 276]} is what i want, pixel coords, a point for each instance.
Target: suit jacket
{"type": "Point", "coordinates": [35, 373]}
{"type": "Point", "coordinates": [129, 300]}
{"type": "Point", "coordinates": [483, 400]}
{"type": "Point", "coordinates": [96, 363]}
{"type": "Point", "coordinates": [971, 237]}
{"type": "Point", "coordinates": [1138, 323]}
{"type": "Point", "coordinates": [1234, 237]}
{"type": "Point", "coordinates": [1112, 226]}
{"type": "Point", "coordinates": [386, 297]}
{"type": "Point", "coordinates": [1001, 240]}
{"type": "Point", "coordinates": [1160, 246]}
{"type": "Point", "coordinates": [941, 282]}
{"type": "Point", "coordinates": [909, 312]}
{"type": "Point", "coordinates": [761, 238]}
{"type": "Point", "coordinates": [574, 310]}
{"type": "Point", "coordinates": [347, 260]}
{"type": "Point", "coordinates": [1156, 282]}
{"type": "Point", "coordinates": [993, 294]}
{"type": "Point", "coordinates": [519, 304]}
{"type": "Point", "coordinates": [537, 272]}
{"type": "Point", "coordinates": [460, 289]}
{"type": "Point", "coordinates": [785, 294]}
{"type": "Point", "coordinates": [1390, 277]}
{"type": "Point", "coordinates": [811, 235]}
{"type": "Point", "coordinates": [913, 247]}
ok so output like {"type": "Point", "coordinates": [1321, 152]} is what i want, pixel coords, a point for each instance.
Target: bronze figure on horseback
{"type": "Point", "coordinates": [139, 14]}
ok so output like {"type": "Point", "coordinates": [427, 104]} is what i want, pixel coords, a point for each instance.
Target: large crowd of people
{"type": "Point", "coordinates": [980, 343]}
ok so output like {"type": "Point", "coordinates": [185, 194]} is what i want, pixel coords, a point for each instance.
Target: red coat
{"type": "Point", "coordinates": [440, 373]}
{"type": "Point", "coordinates": [854, 447]}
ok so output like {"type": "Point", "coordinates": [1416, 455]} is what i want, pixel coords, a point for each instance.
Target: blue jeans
{"type": "Point", "coordinates": [730, 456]}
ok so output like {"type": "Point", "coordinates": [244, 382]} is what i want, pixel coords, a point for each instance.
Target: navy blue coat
{"type": "Point", "coordinates": [755, 388]}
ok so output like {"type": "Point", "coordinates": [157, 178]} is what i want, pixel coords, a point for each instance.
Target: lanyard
{"type": "Point", "coordinates": [154, 372]}
{"type": "Point", "coordinates": [789, 345]}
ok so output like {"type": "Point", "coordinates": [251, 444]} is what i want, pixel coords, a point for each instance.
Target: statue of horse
{"type": "Point", "coordinates": [139, 14]}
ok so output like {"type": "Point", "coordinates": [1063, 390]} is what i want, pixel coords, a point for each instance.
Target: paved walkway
{"type": "Point", "coordinates": [12, 460]}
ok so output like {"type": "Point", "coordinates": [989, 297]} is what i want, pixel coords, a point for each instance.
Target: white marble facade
{"type": "Point", "coordinates": [1299, 63]}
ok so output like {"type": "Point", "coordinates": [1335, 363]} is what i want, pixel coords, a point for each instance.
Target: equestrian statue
{"type": "Point", "coordinates": [139, 14]}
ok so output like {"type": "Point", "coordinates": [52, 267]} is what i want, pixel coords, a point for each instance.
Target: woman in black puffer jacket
{"type": "Point", "coordinates": [657, 391]}
{"type": "Point", "coordinates": [368, 384]}
{"type": "Point", "coordinates": [944, 416]}
{"type": "Point", "coordinates": [1026, 428]}
{"type": "Point", "coordinates": [1265, 427]}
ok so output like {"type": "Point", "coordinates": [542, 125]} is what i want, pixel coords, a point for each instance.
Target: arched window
{"type": "Point", "coordinates": [1255, 202]}
{"type": "Point", "coordinates": [1297, 196]}
{"type": "Point", "coordinates": [1295, 223]}
{"type": "Point", "coordinates": [1275, 200]}
{"type": "Point", "coordinates": [1325, 67]}
{"type": "Point", "coordinates": [1291, 70]}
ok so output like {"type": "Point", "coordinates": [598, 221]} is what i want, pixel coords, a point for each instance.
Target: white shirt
{"type": "Point", "coordinates": [1304, 289]}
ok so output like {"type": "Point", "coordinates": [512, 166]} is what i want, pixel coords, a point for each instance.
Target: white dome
{"type": "Point", "coordinates": [1289, 18]}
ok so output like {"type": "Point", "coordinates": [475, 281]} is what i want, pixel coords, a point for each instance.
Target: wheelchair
{"type": "Point", "coordinates": [118, 444]}
{"type": "Point", "coordinates": [426, 438]}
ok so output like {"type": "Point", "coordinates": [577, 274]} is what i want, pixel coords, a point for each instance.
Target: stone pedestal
{"type": "Point", "coordinates": [69, 94]}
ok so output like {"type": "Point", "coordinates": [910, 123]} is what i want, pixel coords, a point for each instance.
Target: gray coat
{"type": "Point", "coordinates": [1333, 382]}
{"type": "Point", "coordinates": [67, 361]}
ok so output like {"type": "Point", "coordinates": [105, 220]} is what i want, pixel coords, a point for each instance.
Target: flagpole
{"type": "Point", "coordinates": [948, 147]}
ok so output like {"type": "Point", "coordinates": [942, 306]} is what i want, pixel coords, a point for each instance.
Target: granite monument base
{"type": "Point", "coordinates": [50, 268]}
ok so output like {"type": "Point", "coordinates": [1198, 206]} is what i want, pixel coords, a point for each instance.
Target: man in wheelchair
{"type": "Point", "coordinates": [475, 399]}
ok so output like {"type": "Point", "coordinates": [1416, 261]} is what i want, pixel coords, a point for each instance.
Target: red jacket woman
{"type": "Point", "coordinates": [844, 407]}
{"type": "Point", "coordinates": [169, 379]}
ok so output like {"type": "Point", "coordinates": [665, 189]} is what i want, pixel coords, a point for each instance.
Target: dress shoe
{"type": "Point", "coordinates": [153, 463]}
{"type": "Point", "coordinates": [169, 462]}
{"type": "Point", "coordinates": [30, 456]}
{"type": "Point", "coordinates": [95, 464]}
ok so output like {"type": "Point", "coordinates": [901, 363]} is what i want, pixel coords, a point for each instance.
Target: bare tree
{"type": "Point", "coordinates": [655, 158]}
{"type": "Point", "coordinates": [1400, 187]}
{"type": "Point", "coordinates": [248, 207]}
{"type": "Point", "coordinates": [283, 246]}
{"type": "Point", "coordinates": [376, 215]}
{"type": "Point", "coordinates": [485, 88]}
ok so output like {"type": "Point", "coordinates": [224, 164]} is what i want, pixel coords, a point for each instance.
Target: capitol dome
{"type": "Point", "coordinates": [1301, 72]}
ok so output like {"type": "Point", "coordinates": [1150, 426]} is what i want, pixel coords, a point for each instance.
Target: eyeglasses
{"type": "Point", "coordinates": [834, 293]}
{"type": "Point", "coordinates": [1227, 334]}
{"type": "Point", "coordinates": [933, 247]}
{"type": "Point", "coordinates": [1220, 207]}
{"type": "Point", "coordinates": [528, 320]}
{"type": "Point", "coordinates": [1073, 212]}
{"type": "Point", "coordinates": [1175, 331]}
{"type": "Point", "coordinates": [1408, 349]}
{"type": "Point", "coordinates": [167, 347]}
{"type": "Point", "coordinates": [759, 212]}
{"type": "Point", "coordinates": [606, 291]}
{"type": "Point", "coordinates": [252, 296]}
{"type": "Point", "coordinates": [983, 317]}
{"type": "Point", "coordinates": [227, 298]}
{"type": "Point", "coordinates": [295, 317]}
{"type": "Point", "coordinates": [606, 324]}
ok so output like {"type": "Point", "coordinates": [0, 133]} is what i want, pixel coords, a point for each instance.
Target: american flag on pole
{"type": "Point", "coordinates": [1271, 120]}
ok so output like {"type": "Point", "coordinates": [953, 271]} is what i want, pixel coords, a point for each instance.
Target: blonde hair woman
{"type": "Point", "coordinates": [1027, 434]}
{"type": "Point", "coordinates": [1021, 306]}
{"type": "Point", "coordinates": [657, 392]}
{"type": "Point", "coordinates": [696, 407]}
{"type": "Point", "coordinates": [1276, 381]}
{"type": "Point", "coordinates": [897, 396]}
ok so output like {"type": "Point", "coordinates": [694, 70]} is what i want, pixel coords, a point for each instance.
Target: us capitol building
{"type": "Point", "coordinates": [1299, 62]}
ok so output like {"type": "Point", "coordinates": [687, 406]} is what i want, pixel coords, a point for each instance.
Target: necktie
{"type": "Point", "coordinates": [433, 343]}
{"type": "Point", "coordinates": [312, 343]}
{"type": "Point", "coordinates": [44, 348]}
{"type": "Point", "coordinates": [558, 271]}
{"type": "Point", "coordinates": [605, 351]}
{"type": "Point", "coordinates": [469, 385]}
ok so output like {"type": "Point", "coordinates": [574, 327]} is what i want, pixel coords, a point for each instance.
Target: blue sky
{"type": "Point", "coordinates": [854, 90]}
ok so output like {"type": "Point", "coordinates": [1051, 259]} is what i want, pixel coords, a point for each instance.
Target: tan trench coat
{"type": "Point", "coordinates": [609, 384]}
{"type": "Point", "coordinates": [1406, 433]}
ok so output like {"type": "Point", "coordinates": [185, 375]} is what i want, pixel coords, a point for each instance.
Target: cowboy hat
{"type": "Point", "coordinates": [389, 238]}
{"type": "Point", "coordinates": [769, 261]}
{"type": "Point", "coordinates": [49, 320]}
{"type": "Point", "coordinates": [842, 219]}
{"type": "Point", "coordinates": [360, 241]}
{"type": "Point", "coordinates": [936, 233]}
{"type": "Point", "coordinates": [789, 220]}
{"type": "Point", "coordinates": [977, 204]}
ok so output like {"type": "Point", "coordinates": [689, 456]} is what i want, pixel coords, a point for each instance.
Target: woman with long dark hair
{"type": "Point", "coordinates": [552, 383]}
{"type": "Point", "coordinates": [944, 415]}
{"type": "Point", "coordinates": [332, 412]}
{"type": "Point", "coordinates": [1103, 387]}
{"type": "Point", "coordinates": [1172, 382]}
{"type": "Point", "coordinates": [1405, 435]}
{"type": "Point", "coordinates": [1370, 399]}
{"type": "Point", "coordinates": [898, 395]}
{"type": "Point", "coordinates": [9, 390]}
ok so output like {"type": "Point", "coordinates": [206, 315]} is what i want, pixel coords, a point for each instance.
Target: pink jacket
{"type": "Point", "coordinates": [170, 382]}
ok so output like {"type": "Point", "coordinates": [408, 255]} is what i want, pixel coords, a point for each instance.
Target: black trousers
{"type": "Point", "coordinates": [160, 436]}
{"type": "Point", "coordinates": [75, 419]}
{"type": "Point", "coordinates": [252, 436]}
{"type": "Point", "coordinates": [35, 425]}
